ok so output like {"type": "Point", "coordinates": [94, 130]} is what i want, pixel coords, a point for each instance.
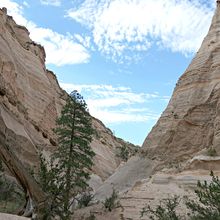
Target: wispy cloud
{"type": "Point", "coordinates": [116, 104]}
{"type": "Point", "coordinates": [60, 49]}
{"type": "Point", "coordinates": [26, 4]}
{"type": "Point", "coordinates": [122, 27]}
{"type": "Point", "coordinates": [51, 2]}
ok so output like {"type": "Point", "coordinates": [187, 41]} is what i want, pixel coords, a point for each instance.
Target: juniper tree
{"type": "Point", "coordinates": [74, 154]}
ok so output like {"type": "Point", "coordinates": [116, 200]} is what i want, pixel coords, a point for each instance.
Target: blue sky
{"type": "Point", "coordinates": [124, 56]}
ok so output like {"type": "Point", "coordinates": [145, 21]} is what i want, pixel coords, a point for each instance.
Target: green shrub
{"type": "Point", "coordinates": [205, 207]}
{"type": "Point", "coordinates": [123, 153]}
{"type": "Point", "coordinates": [165, 211]}
{"type": "Point", "coordinates": [1, 167]}
{"type": "Point", "coordinates": [211, 152]}
{"type": "Point", "coordinates": [111, 202]}
{"type": "Point", "coordinates": [11, 195]}
{"type": "Point", "coordinates": [208, 205]}
{"type": "Point", "coordinates": [85, 199]}
{"type": "Point", "coordinates": [91, 217]}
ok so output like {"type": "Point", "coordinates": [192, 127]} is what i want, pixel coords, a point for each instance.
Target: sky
{"type": "Point", "coordinates": [123, 56]}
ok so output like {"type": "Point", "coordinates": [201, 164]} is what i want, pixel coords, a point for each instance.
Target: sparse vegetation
{"type": "Point", "coordinates": [165, 211]}
{"type": "Point", "coordinates": [205, 207]}
{"type": "Point", "coordinates": [125, 152]}
{"type": "Point", "coordinates": [91, 217]}
{"type": "Point", "coordinates": [11, 196]}
{"type": "Point", "coordinates": [111, 202]}
{"type": "Point", "coordinates": [49, 180]}
{"type": "Point", "coordinates": [212, 152]}
{"type": "Point", "coordinates": [96, 134]}
{"type": "Point", "coordinates": [85, 199]}
{"type": "Point", "coordinates": [66, 175]}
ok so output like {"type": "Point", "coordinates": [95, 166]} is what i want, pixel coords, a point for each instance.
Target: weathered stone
{"type": "Point", "coordinates": [196, 103]}
{"type": "Point", "coordinates": [4, 216]}
{"type": "Point", "coordinates": [179, 142]}
{"type": "Point", "coordinates": [30, 101]}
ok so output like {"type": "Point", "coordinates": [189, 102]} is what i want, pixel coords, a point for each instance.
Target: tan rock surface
{"type": "Point", "coordinates": [178, 144]}
{"type": "Point", "coordinates": [158, 187]}
{"type": "Point", "coordinates": [30, 95]}
{"type": "Point", "coordinates": [4, 216]}
{"type": "Point", "coordinates": [191, 120]}
{"type": "Point", "coordinates": [31, 99]}
{"type": "Point", "coordinates": [150, 191]}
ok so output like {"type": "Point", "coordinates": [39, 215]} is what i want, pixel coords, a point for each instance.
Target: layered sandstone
{"type": "Point", "coordinates": [180, 143]}
{"type": "Point", "coordinates": [31, 100]}
{"type": "Point", "coordinates": [191, 121]}
{"type": "Point", "coordinates": [177, 146]}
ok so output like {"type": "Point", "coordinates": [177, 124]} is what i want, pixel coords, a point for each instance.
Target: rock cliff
{"type": "Point", "coordinates": [183, 146]}
{"type": "Point", "coordinates": [191, 121]}
{"type": "Point", "coordinates": [31, 100]}
{"type": "Point", "coordinates": [175, 154]}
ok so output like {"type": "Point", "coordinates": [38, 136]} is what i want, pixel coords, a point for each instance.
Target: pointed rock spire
{"type": "Point", "coordinates": [191, 121]}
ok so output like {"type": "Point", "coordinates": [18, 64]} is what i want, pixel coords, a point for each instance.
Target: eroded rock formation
{"type": "Point", "coordinates": [191, 121]}
{"type": "Point", "coordinates": [175, 153]}
{"type": "Point", "coordinates": [30, 101]}
{"type": "Point", "coordinates": [184, 145]}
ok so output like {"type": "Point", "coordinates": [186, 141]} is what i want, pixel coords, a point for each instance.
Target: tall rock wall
{"type": "Point", "coordinates": [31, 100]}
{"type": "Point", "coordinates": [188, 129]}
{"type": "Point", "coordinates": [191, 121]}
{"type": "Point", "coordinates": [182, 147]}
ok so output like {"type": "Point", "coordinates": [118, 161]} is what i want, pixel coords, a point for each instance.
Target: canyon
{"type": "Point", "coordinates": [174, 156]}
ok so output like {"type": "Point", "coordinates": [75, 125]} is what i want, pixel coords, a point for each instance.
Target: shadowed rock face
{"type": "Point", "coordinates": [31, 100]}
{"type": "Point", "coordinates": [191, 121]}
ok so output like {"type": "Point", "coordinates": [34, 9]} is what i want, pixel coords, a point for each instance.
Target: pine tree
{"type": "Point", "coordinates": [165, 211]}
{"type": "Point", "coordinates": [74, 154]}
{"type": "Point", "coordinates": [207, 207]}
{"type": "Point", "coordinates": [52, 185]}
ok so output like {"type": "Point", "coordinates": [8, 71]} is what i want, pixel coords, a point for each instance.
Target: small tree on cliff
{"type": "Point", "coordinates": [74, 131]}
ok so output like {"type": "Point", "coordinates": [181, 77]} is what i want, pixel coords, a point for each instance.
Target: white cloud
{"type": "Point", "coordinates": [60, 49]}
{"type": "Point", "coordinates": [51, 2]}
{"type": "Point", "coordinates": [26, 4]}
{"type": "Point", "coordinates": [15, 10]}
{"type": "Point", "coordinates": [123, 26]}
{"type": "Point", "coordinates": [116, 104]}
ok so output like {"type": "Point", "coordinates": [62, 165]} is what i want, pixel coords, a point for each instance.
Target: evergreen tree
{"type": "Point", "coordinates": [74, 154]}
{"type": "Point", "coordinates": [51, 183]}
{"type": "Point", "coordinates": [165, 211]}
{"type": "Point", "coordinates": [205, 207]}
{"type": "Point", "coordinates": [208, 205]}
